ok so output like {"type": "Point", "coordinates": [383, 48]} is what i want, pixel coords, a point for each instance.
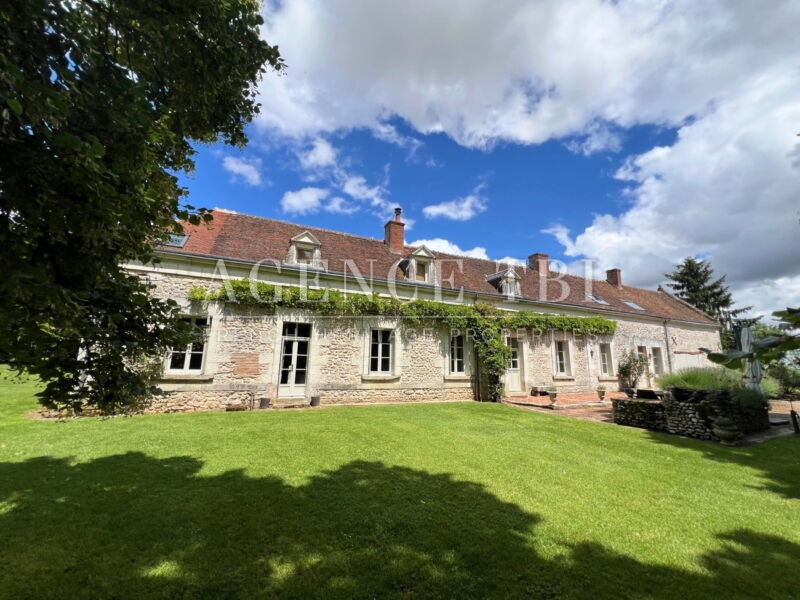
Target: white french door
{"type": "Point", "coordinates": [294, 359]}
{"type": "Point", "coordinates": [513, 378]}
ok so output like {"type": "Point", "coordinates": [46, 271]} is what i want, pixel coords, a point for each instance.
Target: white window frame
{"type": "Point", "coordinates": [187, 350]}
{"type": "Point", "coordinates": [610, 359]}
{"type": "Point", "coordinates": [420, 259]}
{"type": "Point", "coordinates": [567, 372]}
{"type": "Point", "coordinates": [657, 365]}
{"type": "Point", "coordinates": [425, 267]}
{"type": "Point", "coordinates": [453, 360]}
{"type": "Point", "coordinates": [305, 242]}
{"type": "Point", "coordinates": [381, 346]}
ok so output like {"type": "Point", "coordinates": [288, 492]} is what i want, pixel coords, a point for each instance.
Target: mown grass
{"type": "Point", "coordinates": [441, 501]}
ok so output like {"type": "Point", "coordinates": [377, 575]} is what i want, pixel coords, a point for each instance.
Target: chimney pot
{"type": "Point", "coordinates": [394, 233]}
{"type": "Point", "coordinates": [539, 262]}
{"type": "Point", "coordinates": [614, 277]}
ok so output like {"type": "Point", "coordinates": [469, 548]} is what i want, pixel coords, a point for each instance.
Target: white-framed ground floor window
{"type": "Point", "coordinates": [457, 364]}
{"type": "Point", "coordinates": [381, 350]}
{"type": "Point", "coordinates": [191, 358]}
{"type": "Point", "coordinates": [563, 366]}
{"type": "Point", "coordinates": [606, 360]}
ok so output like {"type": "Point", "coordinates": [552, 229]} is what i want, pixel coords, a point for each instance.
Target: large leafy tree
{"type": "Point", "coordinates": [693, 282]}
{"type": "Point", "coordinates": [100, 101]}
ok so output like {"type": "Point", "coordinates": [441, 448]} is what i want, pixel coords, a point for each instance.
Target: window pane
{"type": "Point", "coordinates": [305, 256]}
{"type": "Point", "coordinates": [373, 363]}
{"type": "Point", "coordinates": [289, 329]}
{"type": "Point", "coordinates": [457, 354]}
{"type": "Point", "coordinates": [178, 359]}
{"type": "Point", "coordinates": [385, 364]}
{"type": "Point", "coordinates": [303, 330]}
{"type": "Point", "coordinates": [196, 361]}
{"type": "Point", "coordinates": [422, 272]}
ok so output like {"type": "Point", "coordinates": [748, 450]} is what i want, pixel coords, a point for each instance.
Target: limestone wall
{"type": "Point", "coordinates": [244, 348]}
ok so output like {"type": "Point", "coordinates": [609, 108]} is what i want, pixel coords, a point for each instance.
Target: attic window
{"type": "Point", "coordinates": [419, 266]}
{"type": "Point", "coordinates": [305, 256]}
{"type": "Point", "coordinates": [305, 249]}
{"type": "Point", "coordinates": [506, 282]}
{"type": "Point", "coordinates": [177, 240]}
{"type": "Point", "coordinates": [633, 304]}
{"type": "Point", "coordinates": [593, 298]}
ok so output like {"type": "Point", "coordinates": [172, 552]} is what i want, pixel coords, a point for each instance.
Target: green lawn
{"type": "Point", "coordinates": [449, 501]}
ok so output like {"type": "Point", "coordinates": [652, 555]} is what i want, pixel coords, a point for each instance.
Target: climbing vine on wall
{"type": "Point", "coordinates": [484, 322]}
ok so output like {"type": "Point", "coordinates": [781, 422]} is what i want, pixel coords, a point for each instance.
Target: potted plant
{"type": "Point", "coordinates": [552, 391]}
{"type": "Point", "coordinates": [726, 430]}
{"type": "Point", "coordinates": [601, 392]}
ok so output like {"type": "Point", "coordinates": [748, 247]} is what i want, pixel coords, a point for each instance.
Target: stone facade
{"type": "Point", "coordinates": [243, 355]}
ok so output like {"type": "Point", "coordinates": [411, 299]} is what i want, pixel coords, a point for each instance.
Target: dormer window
{"type": "Point", "coordinates": [419, 266]}
{"type": "Point", "coordinates": [506, 282]}
{"type": "Point", "coordinates": [305, 256]}
{"type": "Point", "coordinates": [305, 249]}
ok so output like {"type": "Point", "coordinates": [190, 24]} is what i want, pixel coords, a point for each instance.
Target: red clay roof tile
{"type": "Point", "coordinates": [244, 237]}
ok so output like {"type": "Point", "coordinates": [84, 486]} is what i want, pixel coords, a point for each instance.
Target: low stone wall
{"type": "Point", "coordinates": [646, 414]}
{"type": "Point", "coordinates": [690, 413]}
{"type": "Point", "coordinates": [395, 395]}
{"type": "Point", "coordinates": [685, 418]}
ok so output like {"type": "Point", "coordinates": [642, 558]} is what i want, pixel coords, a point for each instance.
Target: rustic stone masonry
{"type": "Point", "coordinates": [685, 418]}
{"type": "Point", "coordinates": [690, 413]}
{"type": "Point", "coordinates": [646, 414]}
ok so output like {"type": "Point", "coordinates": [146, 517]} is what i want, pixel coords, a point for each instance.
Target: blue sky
{"type": "Point", "coordinates": [626, 133]}
{"type": "Point", "coordinates": [524, 189]}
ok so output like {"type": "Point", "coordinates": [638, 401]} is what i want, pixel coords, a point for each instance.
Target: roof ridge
{"type": "Point", "coordinates": [259, 217]}
{"type": "Point", "coordinates": [684, 302]}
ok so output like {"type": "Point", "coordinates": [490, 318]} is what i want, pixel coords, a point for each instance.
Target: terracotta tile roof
{"type": "Point", "coordinates": [244, 237]}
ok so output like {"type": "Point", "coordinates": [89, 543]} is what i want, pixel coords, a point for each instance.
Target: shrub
{"type": "Point", "coordinates": [788, 379]}
{"type": "Point", "coordinates": [715, 378]}
{"type": "Point", "coordinates": [771, 387]}
{"type": "Point", "coordinates": [748, 398]}
{"type": "Point", "coordinates": [705, 378]}
{"type": "Point", "coordinates": [631, 367]}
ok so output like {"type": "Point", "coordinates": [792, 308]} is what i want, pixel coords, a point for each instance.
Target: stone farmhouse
{"type": "Point", "coordinates": [246, 356]}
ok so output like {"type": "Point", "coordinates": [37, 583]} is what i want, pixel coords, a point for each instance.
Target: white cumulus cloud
{"type": "Point", "coordinates": [247, 170]}
{"type": "Point", "coordinates": [448, 247]}
{"type": "Point", "coordinates": [460, 209]}
{"type": "Point", "coordinates": [321, 154]}
{"type": "Point", "coordinates": [304, 201]}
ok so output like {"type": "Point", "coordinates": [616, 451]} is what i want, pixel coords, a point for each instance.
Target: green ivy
{"type": "Point", "coordinates": [486, 321]}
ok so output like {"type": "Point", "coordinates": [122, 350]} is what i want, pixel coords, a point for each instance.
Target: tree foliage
{"type": "Point", "coordinates": [693, 282]}
{"type": "Point", "coordinates": [101, 100]}
{"type": "Point", "coordinates": [780, 346]}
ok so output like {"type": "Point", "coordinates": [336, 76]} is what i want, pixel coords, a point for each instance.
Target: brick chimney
{"type": "Point", "coordinates": [538, 262]}
{"type": "Point", "coordinates": [614, 277]}
{"type": "Point", "coordinates": [393, 231]}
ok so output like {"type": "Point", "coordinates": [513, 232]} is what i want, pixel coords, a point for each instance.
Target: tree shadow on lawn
{"type": "Point", "coordinates": [132, 526]}
{"type": "Point", "coordinates": [778, 459]}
